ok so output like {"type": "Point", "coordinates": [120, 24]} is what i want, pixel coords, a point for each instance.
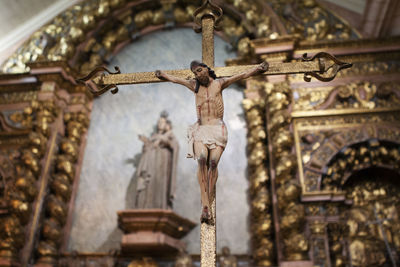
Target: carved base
{"type": "Point", "coordinates": [46, 262]}
{"type": "Point", "coordinates": [152, 231]}
{"type": "Point", "coordinates": [296, 264]}
{"type": "Point", "coordinates": [146, 241]}
{"type": "Point", "coordinates": [9, 262]}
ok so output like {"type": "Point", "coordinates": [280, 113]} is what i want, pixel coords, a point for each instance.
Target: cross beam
{"type": "Point", "coordinates": [322, 66]}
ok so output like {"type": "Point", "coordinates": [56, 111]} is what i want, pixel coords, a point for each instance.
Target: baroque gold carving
{"type": "Point", "coordinates": [362, 66]}
{"type": "Point", "coordinates": [337, 232]}
{"type": "Point", "coordinates": [319, 147]}
{"type": "Point", "coordinates": [261, 222]}
{"type": "Point", "coordinates": [356, 95]}
{"type": "Point", "coordinates": [59, 39]}
{"type": "Point", "coordinates": [100, 26]}
{"type": "Point", "coordinates": [359, 156]}
{"type": "Point", "coordinates": [16, 97]}
{"type": "Point", "coordinates": [335, 122]}
{"type": "Point", "coordinates": [61, 187]}
{"type": "Point", "coordinates": [291, 213]}
{"type": "Point", "coordinates": [306, 18]}
{"type": "Point", "coordinates": [144, 262]}
{"type": "Point", "coordinates": [370, 222]}
{"type": "Point", "coordinates": [22, 191]}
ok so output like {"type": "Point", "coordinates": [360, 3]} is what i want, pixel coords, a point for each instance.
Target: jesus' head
{"type": "Point", "coordinates": [202, 74]}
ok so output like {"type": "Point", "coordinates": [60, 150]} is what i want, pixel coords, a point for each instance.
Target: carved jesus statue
{"type": "Point", "coordinates": [208, 136]}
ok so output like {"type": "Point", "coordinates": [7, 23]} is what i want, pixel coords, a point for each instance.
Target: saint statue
{"type": "Point", "coordinates": [208, 136]}
{"type": "Point", "coordinates": [155, 177]}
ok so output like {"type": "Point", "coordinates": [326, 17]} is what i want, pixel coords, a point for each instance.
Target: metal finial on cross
{"type": "Point", "coordinates": [209, 105]}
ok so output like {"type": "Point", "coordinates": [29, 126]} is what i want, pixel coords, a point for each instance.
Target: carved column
{"type": "Point", "coordinates": [61, 183]}
{"type": "Point", "coordinates": [33, 121]}
{"type": "Point", "coordinates": [260, 196]}
{"type": "Point", "coordinates": [289, 213]}
{"type": "Point", "coordinates": [25, 195]}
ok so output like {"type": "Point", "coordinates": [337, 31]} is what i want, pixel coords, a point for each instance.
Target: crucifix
{"type": "Point", "coordinates": [208, 136]}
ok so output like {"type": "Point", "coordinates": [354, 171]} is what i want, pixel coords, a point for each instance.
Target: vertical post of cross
{"type": "Point", "coordinates": [208, 233]}
{"type": "Point", "coordinates": [207, 44]}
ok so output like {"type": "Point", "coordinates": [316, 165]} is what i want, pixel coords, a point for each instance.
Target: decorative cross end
{"type": "Point", "coordinates": [207, 9]}
{"type": "Point", "coordinates": [92, 85]}
{"type": "Point", "coordinates": [328, 64]}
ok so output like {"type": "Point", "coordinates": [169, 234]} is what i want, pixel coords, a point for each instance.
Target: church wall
{"type": "Point", "coordinates": [116, 121]}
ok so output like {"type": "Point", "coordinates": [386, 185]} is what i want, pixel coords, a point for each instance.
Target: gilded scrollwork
{"type": "Point", "coordinates": [79, 24]}
{"type": "Point", "coordinates": [340, 121]}
{"type": "Point", "coordinates": [367, 232]}
{"type": "Point", "coordinates": [358, 156]}
{"type": "Point", "coordinates": [261, 222]}
{"type": "Point", "coordinates": [22, 190]}
{"type": "Point", "coordinates": [337, 243]}
{"type": "Point", "coordinates": [144, 262]}
{"type": "Point", "coordinates": [354, 95]}
{"type": "Point", "coordinates": [364, 67]}
{"type": "Point", "coordinates": [320, 139]}
{"type": "Point", "coordinates": [326, 153]}
{"type": "Point", "coordinates": [296, 247]}
{"type": "Point", "coordinates": [7, 172]}
{"type": "Point", "coordinates": [290, 212]}
{"type": "Point", "coordinates": [16, 97]}
{"type": "Point", "coordinates": [87, 34]}
{"type": "Point", "coordinates": [61, 183]}
{"type": "Point", "coordinates": [75, 259]}
{"type": "Point", "coordinates": [307, 18]}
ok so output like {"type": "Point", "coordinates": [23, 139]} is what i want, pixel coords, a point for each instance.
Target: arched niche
{"type": "Point", "coordinates": [117, 120]}
{"type": "Point", "coordinates": [367, 232]}
{"type": "Point", "coordinates": [371, 153]}
{"type": "Point", "coordinates": [363, 182]}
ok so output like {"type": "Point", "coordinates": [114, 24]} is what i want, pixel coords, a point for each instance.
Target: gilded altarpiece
{"type": "Point", "coordinates": [323, 158]}
{"type": "Point", "coordinates": [334, 162]}
{"type": "Point", "coordinates": [44, 118]}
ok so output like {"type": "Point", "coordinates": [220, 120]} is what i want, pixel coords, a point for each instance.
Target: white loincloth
{"type": "Point", "coordinates": [210, 135]}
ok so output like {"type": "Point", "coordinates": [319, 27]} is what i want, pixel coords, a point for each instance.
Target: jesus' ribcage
{"type": "Point", "coordinates": [219, 106]}
{"type": "Point", "coordinates": [210, 107]}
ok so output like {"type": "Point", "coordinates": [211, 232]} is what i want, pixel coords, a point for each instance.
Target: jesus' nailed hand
{"type": "Point", "coordinates": [208, 137]}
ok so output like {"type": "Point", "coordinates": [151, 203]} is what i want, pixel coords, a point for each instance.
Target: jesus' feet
{"type": "Point", "coordinates": [206, 216]}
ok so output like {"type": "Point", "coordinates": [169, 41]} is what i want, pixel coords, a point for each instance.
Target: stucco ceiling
{"type": "Point", "coordinates": [13, 13]}
{"type": "Point", "coordinates": [20, 18]}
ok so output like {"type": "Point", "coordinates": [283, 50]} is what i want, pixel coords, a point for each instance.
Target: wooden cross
{"type": "Point", "coordinates": [322, 66]}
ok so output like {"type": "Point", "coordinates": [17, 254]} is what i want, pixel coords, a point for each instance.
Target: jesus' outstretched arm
{"type": "Point", "coordinates": [225, 82]}
{"type": "Point", "coordinates": [164, 76]}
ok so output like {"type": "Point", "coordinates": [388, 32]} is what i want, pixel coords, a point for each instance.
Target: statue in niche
{"type": "Point", "coordinates": [226, 259]}
{"type": "Point", "coordinates": [154, 185]}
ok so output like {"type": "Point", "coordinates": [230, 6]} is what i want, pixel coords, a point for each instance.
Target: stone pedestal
{"type": "Point", "coordinates": [152, 231]}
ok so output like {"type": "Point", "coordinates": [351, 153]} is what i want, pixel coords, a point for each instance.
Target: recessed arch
{"type": "Point", "coordinates": [371, 154]}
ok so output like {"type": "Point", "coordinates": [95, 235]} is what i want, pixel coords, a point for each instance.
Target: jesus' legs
{"type": "Point", "coordinates": [202, 152]}
{"type": "Point", "coordinates": [215, 155]}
